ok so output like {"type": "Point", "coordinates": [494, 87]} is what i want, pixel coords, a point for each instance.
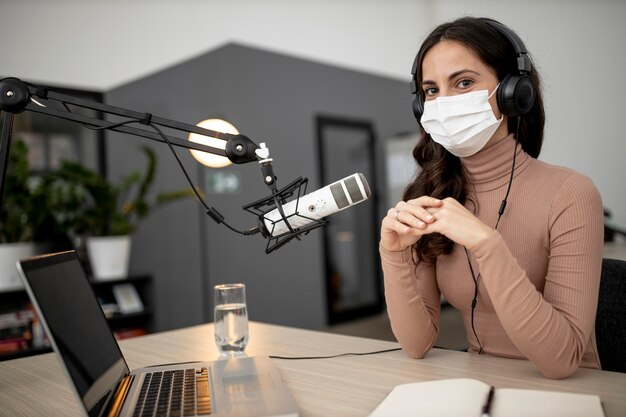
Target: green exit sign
{"type": "Point", "coordinates": [228, 182]}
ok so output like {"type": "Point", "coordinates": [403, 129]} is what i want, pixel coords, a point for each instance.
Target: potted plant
{"type": "Point", "coordinates": [21, 216]}
{"type": "Point", "coordinates": [85, 204]}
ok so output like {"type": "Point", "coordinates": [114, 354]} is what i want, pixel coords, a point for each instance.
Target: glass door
{"type": "Point", "coordinates": [353, 275]}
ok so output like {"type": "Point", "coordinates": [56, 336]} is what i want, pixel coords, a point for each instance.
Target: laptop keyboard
{"type": "Point", "coordinates": [177, 393]}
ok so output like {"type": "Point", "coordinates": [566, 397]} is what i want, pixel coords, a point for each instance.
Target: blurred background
{"type": "Point", "coordinates": [325, 85]}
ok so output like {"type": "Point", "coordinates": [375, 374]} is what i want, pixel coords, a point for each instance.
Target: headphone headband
{"type": "Point", "coordinates": [523, 61]}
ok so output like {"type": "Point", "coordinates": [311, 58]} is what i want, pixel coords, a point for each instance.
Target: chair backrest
{"type": "Point", "coordinates": [611, 316]}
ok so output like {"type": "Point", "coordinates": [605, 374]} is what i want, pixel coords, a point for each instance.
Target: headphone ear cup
{"type": "Point", "coordinates": [418, 108]}
{"type": "Point", "coordinates": [525, 94]}
{"type": "Point", "coordinates": [516, 95]}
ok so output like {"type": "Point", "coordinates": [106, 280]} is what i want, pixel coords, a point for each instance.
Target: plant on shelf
{"type": "Point", "coordinates": [84, 203]}
{"type": "Point", "coordinates": [19, 217]}
{"type": "Point", "coordinates": [23, 215]}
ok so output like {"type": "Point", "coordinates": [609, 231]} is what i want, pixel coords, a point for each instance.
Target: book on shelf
{"type": "Point", "coordinates": [13, 345]}
{"type": "Point", "coordinates": [21, 330]}
{"type": "Point", "coordinates": [466, 397]}
{"type": "Point", "coordinates": [18, 318]}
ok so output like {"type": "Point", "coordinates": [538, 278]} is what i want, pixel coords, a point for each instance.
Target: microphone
{"type": "Point", "coordinates": [313, 207]}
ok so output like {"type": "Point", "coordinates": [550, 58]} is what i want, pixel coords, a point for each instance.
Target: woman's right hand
{"type": "Point", "coordinates": [405, 223]}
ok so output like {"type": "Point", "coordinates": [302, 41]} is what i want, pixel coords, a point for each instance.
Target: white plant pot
{"type": "Point", "coordinates": [10, 253]}
{"type": "Point", "coordinates": [109, 256]}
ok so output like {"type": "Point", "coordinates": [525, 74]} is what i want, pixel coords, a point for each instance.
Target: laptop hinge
{"type": "Point", "coordinates": [119, 396]}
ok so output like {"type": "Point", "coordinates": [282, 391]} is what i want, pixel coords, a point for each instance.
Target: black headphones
{"type": "Point", "coordinates": [516, 93]}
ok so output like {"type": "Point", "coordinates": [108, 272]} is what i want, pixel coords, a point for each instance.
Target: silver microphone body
{"type": "Point", "coordinates": [321, 203]}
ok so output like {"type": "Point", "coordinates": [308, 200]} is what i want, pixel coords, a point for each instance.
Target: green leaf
{"type": "Point", "coordinates": [83, 202]}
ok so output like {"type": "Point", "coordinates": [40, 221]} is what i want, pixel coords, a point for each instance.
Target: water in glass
{"type": "Point", "coordinates": [231, 328]}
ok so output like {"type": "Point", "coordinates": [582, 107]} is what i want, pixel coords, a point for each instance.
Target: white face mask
{"type": "Point", "coordinates": [462, 124]}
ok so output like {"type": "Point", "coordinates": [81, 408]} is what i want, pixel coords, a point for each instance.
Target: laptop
{"type": "Point", "coordinates": [102, 381]}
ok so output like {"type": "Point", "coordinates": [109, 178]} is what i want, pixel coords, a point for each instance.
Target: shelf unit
{"type": "Point", "coordinates": [123, 325]}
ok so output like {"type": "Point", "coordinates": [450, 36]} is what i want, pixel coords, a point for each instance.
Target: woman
{"type": "Point", "coordinates": [513, 243]}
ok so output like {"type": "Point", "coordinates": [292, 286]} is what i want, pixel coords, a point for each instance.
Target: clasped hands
{"type": "Point", "coordinates": [408, 221]}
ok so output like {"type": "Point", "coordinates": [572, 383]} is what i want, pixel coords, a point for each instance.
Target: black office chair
{"type": "Point", "coordinates": [611, 316]}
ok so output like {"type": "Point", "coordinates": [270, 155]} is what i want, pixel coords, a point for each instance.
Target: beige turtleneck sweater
{"type": "Point", "coordinates": [539, 271]}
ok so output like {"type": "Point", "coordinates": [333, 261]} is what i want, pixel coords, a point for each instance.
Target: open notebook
{"type": "Point", "coordinates": [465, 397]}
{"type": "Point", "coordinates": [102, 381]}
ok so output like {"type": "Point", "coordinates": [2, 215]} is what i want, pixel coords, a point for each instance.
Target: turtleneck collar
{"type": "Point", "coordinates": [490, 168]}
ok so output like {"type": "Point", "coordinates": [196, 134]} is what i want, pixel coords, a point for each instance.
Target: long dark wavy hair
{"type": "Point", "coordinates": [441, 174]}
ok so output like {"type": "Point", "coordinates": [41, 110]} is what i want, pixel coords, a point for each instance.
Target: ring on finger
{"type": "Point", "coordinates": [396, 214]}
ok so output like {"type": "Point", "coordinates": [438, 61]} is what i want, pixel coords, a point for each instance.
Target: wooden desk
{"type": "Point", "coordinates": [345, 386]}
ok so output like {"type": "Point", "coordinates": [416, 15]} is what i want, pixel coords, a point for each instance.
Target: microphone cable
{"type": "Point", "coordinates": [296, 358]}
{"type": "Point", "coordinates": [211, 211]}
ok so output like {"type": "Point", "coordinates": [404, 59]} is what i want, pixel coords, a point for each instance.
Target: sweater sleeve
{"type": "Point", "coordinates": [413, 301]}
{"type": "Point", "coordinates": [552, 329]}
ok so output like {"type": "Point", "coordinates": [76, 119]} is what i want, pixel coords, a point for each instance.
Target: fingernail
{"type": "Point", "coordinates": [421, 224]}
{"type": "Point", "coordinates": [429, 217]}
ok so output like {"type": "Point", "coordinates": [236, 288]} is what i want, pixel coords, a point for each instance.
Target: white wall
{"type": "Point", "coordinates": [104, 43]}
{"type": "Point", "coordinates": [578, 46]}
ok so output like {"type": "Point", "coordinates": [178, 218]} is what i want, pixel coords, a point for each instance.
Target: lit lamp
{"type": "Point", "coordinates": [205, 158]}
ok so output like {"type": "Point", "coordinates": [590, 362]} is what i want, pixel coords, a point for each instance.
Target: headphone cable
{"type": "Point", "coordinates": [508, 189]}
{"type": "Point", "coordinates": [500, 213]}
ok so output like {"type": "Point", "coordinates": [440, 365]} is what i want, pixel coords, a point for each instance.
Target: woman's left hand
{"type": "Point", "coordinates": [458, 224]}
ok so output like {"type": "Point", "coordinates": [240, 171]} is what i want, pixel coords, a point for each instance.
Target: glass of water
{"type": "Point", "coordinates": [231, 319]}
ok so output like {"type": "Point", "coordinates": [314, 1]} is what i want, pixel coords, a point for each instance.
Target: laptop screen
{"type": "Point", "coordinates": [75, 324]}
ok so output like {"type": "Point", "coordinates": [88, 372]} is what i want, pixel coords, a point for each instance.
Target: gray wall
{"type": "Point", "coordinates": [98, 45]}
{"type": "Point", "coordinates": [271, 98]}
